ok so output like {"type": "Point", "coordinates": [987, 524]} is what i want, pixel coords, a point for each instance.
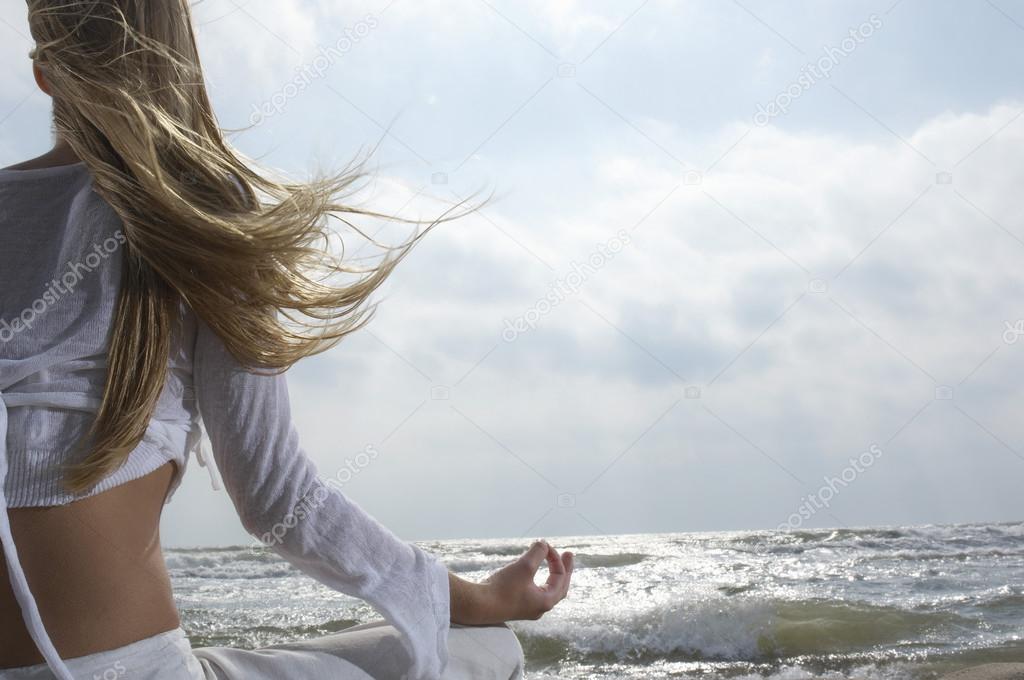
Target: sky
{"type": "Point", "coordinates": [749, 265]}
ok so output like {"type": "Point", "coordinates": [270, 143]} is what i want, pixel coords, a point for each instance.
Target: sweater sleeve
{"type": "Point", "coordinates": [281, 501]}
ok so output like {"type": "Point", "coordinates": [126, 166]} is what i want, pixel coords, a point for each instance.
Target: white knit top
{"type": "Point", "coordinates": [60, 267]}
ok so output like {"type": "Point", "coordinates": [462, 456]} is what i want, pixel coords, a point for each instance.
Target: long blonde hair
{"type": "Point", "coordinates": [202, 226]}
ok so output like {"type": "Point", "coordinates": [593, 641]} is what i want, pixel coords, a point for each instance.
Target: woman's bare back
{"type": "Point", "coordinates": [96, 570]}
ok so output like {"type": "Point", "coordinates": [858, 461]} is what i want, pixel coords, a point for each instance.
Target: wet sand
{"type": "Point", "coordinates": [989, 671]}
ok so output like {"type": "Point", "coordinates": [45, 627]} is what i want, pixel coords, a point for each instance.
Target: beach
{"type": "Point", "coordinates": [877, 603]}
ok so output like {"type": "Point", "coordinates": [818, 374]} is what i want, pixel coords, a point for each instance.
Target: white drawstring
{"type": "Point", "coordinates": [206, 460]}
{"type": "Point", "coordinates": [197, 442]}
{"type": "Point", "coordinates": [15, 572]}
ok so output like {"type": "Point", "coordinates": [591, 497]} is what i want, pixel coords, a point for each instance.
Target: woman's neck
{"type": "Point", "coordinates": [60, 154]}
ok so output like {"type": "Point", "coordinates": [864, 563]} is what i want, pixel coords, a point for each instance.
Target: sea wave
{"type": "Point", "coordinates": [625, 559]}
{"type": "Point", "coordinates": [475, 564]}
{"type": "Point", "coordinates": [735, 629]}
{"type": "Point", "coordinates": [220, 564]}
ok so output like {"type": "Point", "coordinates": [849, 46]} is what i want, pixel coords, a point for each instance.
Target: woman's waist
{"type": "Point", "coordinates": [95, 569]}
{"type": "Point", "coordinates": [165, 654]}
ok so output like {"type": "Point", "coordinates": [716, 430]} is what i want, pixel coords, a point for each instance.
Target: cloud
{"type": "Point", "coordinates": [793, 378]}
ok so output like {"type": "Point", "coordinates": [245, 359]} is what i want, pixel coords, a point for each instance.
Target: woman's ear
{"type": "Point", "coordinates": [40, 77]}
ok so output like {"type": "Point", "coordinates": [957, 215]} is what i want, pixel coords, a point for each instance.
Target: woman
{"type": "Point", "coordinates": [152, 282]}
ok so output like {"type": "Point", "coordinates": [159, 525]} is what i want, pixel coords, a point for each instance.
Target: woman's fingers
{"type": "Point", "coordinates": [555, 565]}
{"type": "Point", "coordinates": [556, 570]}
{"type": "Point", "coordinates": [534, 557]}
{"type": "Point", "coordinates": [560, 567]}
{"type": "Point", "coordinates": [559, 575]}
{"type": "Point", "coordinates": [570, 562]}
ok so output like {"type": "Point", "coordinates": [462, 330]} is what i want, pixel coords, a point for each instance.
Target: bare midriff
{"type": "Point", "coordinates": [96, 570]}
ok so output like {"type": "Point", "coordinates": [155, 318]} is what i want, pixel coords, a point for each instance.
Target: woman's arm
{"type": "Point", "coordinates": [280, 499]}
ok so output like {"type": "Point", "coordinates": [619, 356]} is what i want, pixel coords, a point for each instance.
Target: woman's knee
{"type": "Point", "coordinates": [484, 652]}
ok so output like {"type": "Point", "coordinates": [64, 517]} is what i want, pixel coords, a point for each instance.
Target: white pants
{"type": "Point", "coordinates": [369, 651]}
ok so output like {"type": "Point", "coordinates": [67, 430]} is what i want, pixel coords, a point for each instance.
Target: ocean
{"type": "Point", "coordinates": [877, 603]}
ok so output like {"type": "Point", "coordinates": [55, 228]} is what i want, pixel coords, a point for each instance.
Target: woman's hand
{"type": "Point", "coordinates": [514, 588]}
{"type": "Point", "coordinates": [510, 593]}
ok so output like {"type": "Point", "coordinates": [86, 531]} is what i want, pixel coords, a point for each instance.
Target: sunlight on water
{"type": "Point", "coordinates": [852, 603]}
